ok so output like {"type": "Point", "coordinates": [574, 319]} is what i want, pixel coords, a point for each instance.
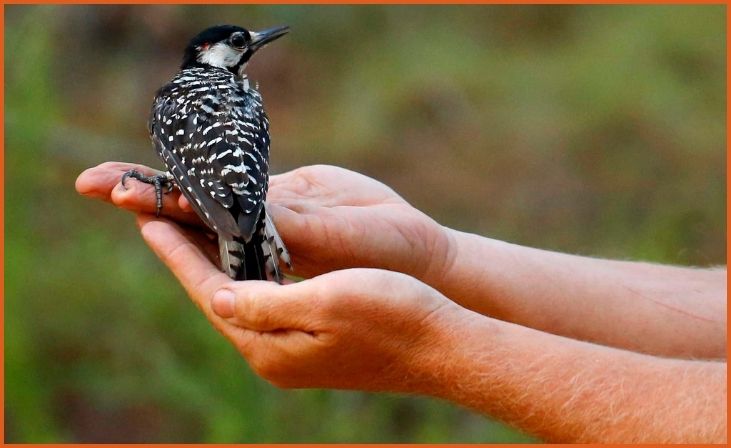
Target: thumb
{"type": "Point", "coordinates": [265, 306]}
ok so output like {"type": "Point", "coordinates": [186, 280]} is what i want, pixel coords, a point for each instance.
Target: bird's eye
{"type": "Point", "coordinates": [238, 40]}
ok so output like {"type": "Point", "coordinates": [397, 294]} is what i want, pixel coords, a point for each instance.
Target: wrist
{"type": "Point", "coordinates": [473, 273]}
{"type": "Point", "coordinates": [441, 258]}
{"type": "Point", "coordinates": [434, 365]}
{"type": "Point", "coordinates": [457, 269]}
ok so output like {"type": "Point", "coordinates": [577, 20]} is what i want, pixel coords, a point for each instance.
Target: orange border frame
{"type": "Point", "coordinates": [2, 218]}
{"type": "Point", "coordinates": [373, 2]}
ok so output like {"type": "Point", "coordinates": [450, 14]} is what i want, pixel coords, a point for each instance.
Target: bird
{"type": "Point", "coordinates": [209, 127]}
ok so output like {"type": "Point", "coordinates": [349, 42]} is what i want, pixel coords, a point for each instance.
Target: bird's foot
{"type": "Point", "coordinates": [162, 181]}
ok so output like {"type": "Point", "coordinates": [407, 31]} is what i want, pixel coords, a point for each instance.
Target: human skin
{"type": "Point", "coordinates": [332, 218]}
{"type": "Point", "coordinates": [371, 329]}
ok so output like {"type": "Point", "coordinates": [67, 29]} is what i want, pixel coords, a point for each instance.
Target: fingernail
{"type": "Point", "coordinates": [223, 303]}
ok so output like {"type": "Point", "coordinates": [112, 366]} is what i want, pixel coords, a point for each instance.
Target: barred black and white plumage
{"type": "Point", "coordinates": [209, 127]}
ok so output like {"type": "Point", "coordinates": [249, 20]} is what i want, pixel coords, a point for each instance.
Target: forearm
{"type": "Point", "coordinates": [563, 390]}
{"type": "Point", "coordinates": [639, 306]}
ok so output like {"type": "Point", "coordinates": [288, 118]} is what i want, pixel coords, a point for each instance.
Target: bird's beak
{"type": "Point", "coordinates": [261, 38]}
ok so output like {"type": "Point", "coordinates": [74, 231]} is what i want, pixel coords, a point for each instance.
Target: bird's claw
{"type": "Point", "coordinates": [127, 175]}
{"type": "Point", "coordinates": [159, 181]}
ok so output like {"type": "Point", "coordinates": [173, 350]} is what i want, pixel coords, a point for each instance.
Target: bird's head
{"type": "Point", "coordinates": [228, 46]}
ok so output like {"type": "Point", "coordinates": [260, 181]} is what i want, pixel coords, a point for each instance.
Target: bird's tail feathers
{"type": "Point", "coordinates": [241, 260]}
{"type": "Point", "coordinates": [259, 258]}
{"type": "Point", "coordinates": [274, 250]}
{"type": "Point", "coordinates": [232, 255]}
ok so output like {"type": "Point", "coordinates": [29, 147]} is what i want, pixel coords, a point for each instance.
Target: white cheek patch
{"type": "Point", "coordinates": [220, 55]}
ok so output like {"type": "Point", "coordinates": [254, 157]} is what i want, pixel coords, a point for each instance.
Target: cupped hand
{"type": "Point", "coordinates": [360, 329]}
{"type": "Point", "coordinates": [330, 218]}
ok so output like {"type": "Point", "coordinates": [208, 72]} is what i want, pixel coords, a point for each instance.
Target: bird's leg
{"type": "Point", "coordinates": [160, 181]}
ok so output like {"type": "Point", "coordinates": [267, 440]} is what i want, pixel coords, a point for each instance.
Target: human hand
{"type": "Point", "coordinates": [330, 219]}
{"type": "Point", "coordinates": [360, 329]}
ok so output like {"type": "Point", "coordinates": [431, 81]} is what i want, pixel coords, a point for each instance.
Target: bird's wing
{"type": "Point", "coordinates": [241, 133]}
{"type": "Point", "coordinates": [211, 147]}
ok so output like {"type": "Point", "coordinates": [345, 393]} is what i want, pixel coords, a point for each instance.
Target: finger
{"type": "Point", "coordinates": [99, 181]}
{"type": "Point", "coordinates": [329, 186]}
{"type": "Point", "coordinates": [301, 206]}
{"type": "Point", "coordinates": [292, 185]}
{"type": "Point", "coordinates": [200, 278]}
{"type": "Point", "coordinates": [139, 197]}
{"type": "Point", "coordinates": [207, 242]}
{"type": "Point", "coordinates": [288, 222]}
{"type": "Point", "coordinates": [196, 273]}
{"type": "Point", "coordinates": [304, 237]}
{"type": "Point", "coordinates": [184, 204]}
{"type": "Point", "coordinates": [266, 306]}
{"type": "Point", "coordinates": [103, 182]}
{"type": "Point", "coordinates": [276, 179]}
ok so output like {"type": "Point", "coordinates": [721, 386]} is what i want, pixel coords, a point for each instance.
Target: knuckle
{"type": "Point", "coordinates": [250, 312]}
{"type": "Point", "coordinates": [242, 307]}
{"type": "Point", "coordinates": [257, 313]}
{"type": "Point", "coordinates": [324, 300]}
{"type": "Point", "coordinates": [173, 253]}
{"type": "Point", "coordinates": [304, 180]}
{"type": "Point", "coordinates": [301, 171]}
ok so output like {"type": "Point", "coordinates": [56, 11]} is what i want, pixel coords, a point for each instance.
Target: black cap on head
{"type": "Point", "coordinates": [234, 46]}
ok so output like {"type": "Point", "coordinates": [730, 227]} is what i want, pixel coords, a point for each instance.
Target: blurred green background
{"type": "Point", "coordinates": [596, 130]}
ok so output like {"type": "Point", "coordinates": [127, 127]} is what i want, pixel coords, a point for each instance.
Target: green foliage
{"type": "Point", "coordinates": [590, 129]}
